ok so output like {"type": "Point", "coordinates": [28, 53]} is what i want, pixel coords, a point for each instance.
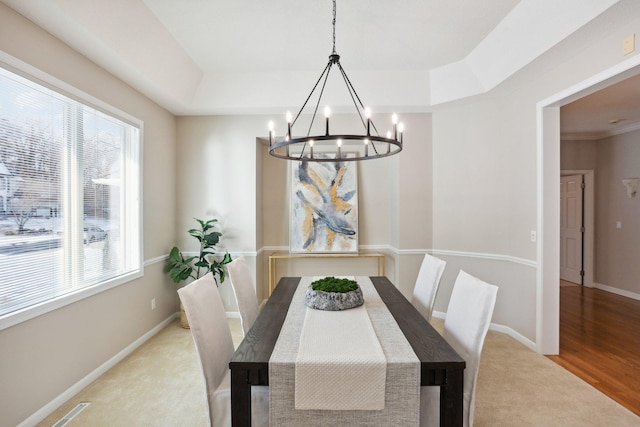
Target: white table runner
{"type": "Point", "coordinates": [340, 364]}
{"type": "Point", "coordinates": [402, 391]}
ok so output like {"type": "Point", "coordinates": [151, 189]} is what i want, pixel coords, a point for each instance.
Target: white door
{"type": "Point", "coordinates": [571, 228]}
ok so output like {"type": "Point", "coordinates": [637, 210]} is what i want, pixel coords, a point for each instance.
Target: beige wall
{"type": "Point", "coordinates": [578, 155]}
{"type": "Point", "coordinates": [217, 164]}
{"type": "Point", "coordinates": [43, 357]}
{"type": "Point", "coordinates": [248, 190]}
{"type": "Point", "coordinates": [616, 250]}
{"type": "Point", "coordinates": [485, 154]}
{"type": "Point", "coordinates": [480, 155]}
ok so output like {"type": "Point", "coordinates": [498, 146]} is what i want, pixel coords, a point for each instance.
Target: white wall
{"type": "Point", "coordinates": [616, 249]}
{"type": "Point", "coordinates": [224, 171]}
{"type": "Point", "coordinates": [216, 178]}
{"type": "Point", "coordinates": [485, 170]}
{"type": "Point", "coordinates": [42, 358]}
{"type": "Point", "coordinates": [482, 162]}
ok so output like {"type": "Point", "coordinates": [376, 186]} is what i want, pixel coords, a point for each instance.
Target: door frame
{"type": "Point", "coordinates": [588, 210]}
{"type": "Point", "coordinates": [548, 218]}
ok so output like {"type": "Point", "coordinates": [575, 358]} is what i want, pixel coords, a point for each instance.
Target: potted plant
{"type": "Point", "coordinates": [181, 267]}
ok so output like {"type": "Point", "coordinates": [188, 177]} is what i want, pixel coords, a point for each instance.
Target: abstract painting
{"type": "Point", "coordinates": [324, 207]}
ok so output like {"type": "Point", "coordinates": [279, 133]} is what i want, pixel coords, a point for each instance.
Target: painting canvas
{"type": "Point", "coordinates": [324, 207]}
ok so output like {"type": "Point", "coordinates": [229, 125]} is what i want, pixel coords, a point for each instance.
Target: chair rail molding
{"type": "Point", "coordinates": [487, 256]}
{"type": "Point", "coordinates": [398, 252]}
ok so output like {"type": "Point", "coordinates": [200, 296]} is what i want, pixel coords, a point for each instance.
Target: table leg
{"type": "Point", "coordinates": [273, 276]}
{"type": "Point", "coordinates": [240, 399]}
{"type": "Point", "coordinates": [270, 275]}
{"type": "Point", "coordinates": [451, 399]}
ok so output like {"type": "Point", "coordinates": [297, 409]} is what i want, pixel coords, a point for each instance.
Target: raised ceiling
{"type": "Point", "coordinates": [256, 56]}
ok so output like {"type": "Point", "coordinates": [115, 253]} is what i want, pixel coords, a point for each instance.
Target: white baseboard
{"type": "Point", "coordinates": [44, 412]}
{"type": "Point", "coordinates": [617, 291]}
{"type": "Point", "coordinates": [502, 329]}
{"type": "Point", "coordinates": [515, 335]}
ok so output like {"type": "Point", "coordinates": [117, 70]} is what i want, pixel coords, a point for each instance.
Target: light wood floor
{"type": "Point", "coordinates": [600, 341]}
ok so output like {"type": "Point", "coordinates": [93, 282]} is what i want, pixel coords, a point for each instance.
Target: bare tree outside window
{"type": "Point", "coordinates": [66, 195]}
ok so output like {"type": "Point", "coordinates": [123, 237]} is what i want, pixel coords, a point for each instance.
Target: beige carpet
{"type": "Point", "coordinates": [160, 384]}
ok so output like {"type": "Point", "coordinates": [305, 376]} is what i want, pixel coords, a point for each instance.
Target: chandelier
{"type": "Point", "coordinates": [329, 147]}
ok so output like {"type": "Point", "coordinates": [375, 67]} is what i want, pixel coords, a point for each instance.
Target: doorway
{"type": "Point", "coordinates": [548, 256]}
{"type": "Point", "coordinates": [577, 218]}
{"type": "Point", "coordinates": [571, 229]}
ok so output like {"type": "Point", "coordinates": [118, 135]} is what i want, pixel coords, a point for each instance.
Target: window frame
{"type": "Point", "coordinates": [37, 76]}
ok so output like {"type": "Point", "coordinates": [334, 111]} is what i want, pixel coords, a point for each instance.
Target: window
{"type": "Point", "coordinates": [69, 198]}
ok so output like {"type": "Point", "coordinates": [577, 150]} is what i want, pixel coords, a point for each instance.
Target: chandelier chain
{"type": "Point", "coordinates": [334, 27]}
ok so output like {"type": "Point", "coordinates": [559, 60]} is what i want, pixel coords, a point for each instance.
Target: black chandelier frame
{"type": "Point", "coordinates": [374, 144]}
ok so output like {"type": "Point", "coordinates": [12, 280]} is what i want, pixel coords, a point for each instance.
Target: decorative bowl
{"type": "Point", "coordinates": [333, 301]}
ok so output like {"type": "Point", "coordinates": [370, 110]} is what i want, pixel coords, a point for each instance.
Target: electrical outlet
{"type": "Point", "coordinates": [153, 303]}
{"type": "Point", "coordinates": [629, 44]}
{"type": "Point", "coordinates": [534, 236]}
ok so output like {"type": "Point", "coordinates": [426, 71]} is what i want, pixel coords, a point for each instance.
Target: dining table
{"type": "Point", "coordinates": [440, 364]}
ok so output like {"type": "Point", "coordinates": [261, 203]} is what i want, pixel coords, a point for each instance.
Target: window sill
{"type": "Point", "coordinates": [28, 313]}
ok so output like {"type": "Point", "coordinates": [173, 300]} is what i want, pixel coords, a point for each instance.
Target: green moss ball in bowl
{"type": "Point", "coordinates": [334, 294]}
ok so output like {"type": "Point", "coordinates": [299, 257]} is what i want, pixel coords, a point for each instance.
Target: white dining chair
{"type": "Point", "coordinates": [244, 291]}
{"type": "Point", "coordinates": [465, 328]}
{"type": "Point", "coordinates": [212, 337]}
{"type": "Point", "coordinates": [427, 283]}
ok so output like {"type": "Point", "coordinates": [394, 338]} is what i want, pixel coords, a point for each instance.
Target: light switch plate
{"type": "Point", "coordinates": [629, 44]}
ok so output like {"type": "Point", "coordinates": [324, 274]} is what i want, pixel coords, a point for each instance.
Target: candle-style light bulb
{"type": "Point", "coordinates": [289, 118]}
{"type": "Point", "coordinates": [367, 114]}
{"type": "Point", "coordinates": [388, 145]}
{"type": "Point", "coordinates": [311, 147]}
{"type": "Point", "coordinates": [401, 130]}
{"type": "Point", "coordinates": [394, 120]}
{"type": "Point", "coordinates": [270, 132]}
{"type": "Point", "coordinates": [339, 144]}
{"type": "Point", "coordinates": [366, 147]}
{"type": "Point", "coordinates": [327, 113]}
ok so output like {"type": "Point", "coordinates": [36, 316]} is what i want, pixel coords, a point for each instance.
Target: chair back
{"type": "Point", "coordinates": [210, 330]}
{"type": "Point", "coordinates": [243, 288]}
{"type": "Point", "coordinates": [426, 288]}
{"type": "Point", "coordinates": [465, 328]}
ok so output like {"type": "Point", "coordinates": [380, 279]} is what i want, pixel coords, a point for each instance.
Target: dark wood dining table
{"type": "Point", "coordinates": [440, 365]}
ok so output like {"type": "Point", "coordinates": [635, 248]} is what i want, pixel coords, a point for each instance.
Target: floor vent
{"type": "Point", "coordinates": [72, 413]}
